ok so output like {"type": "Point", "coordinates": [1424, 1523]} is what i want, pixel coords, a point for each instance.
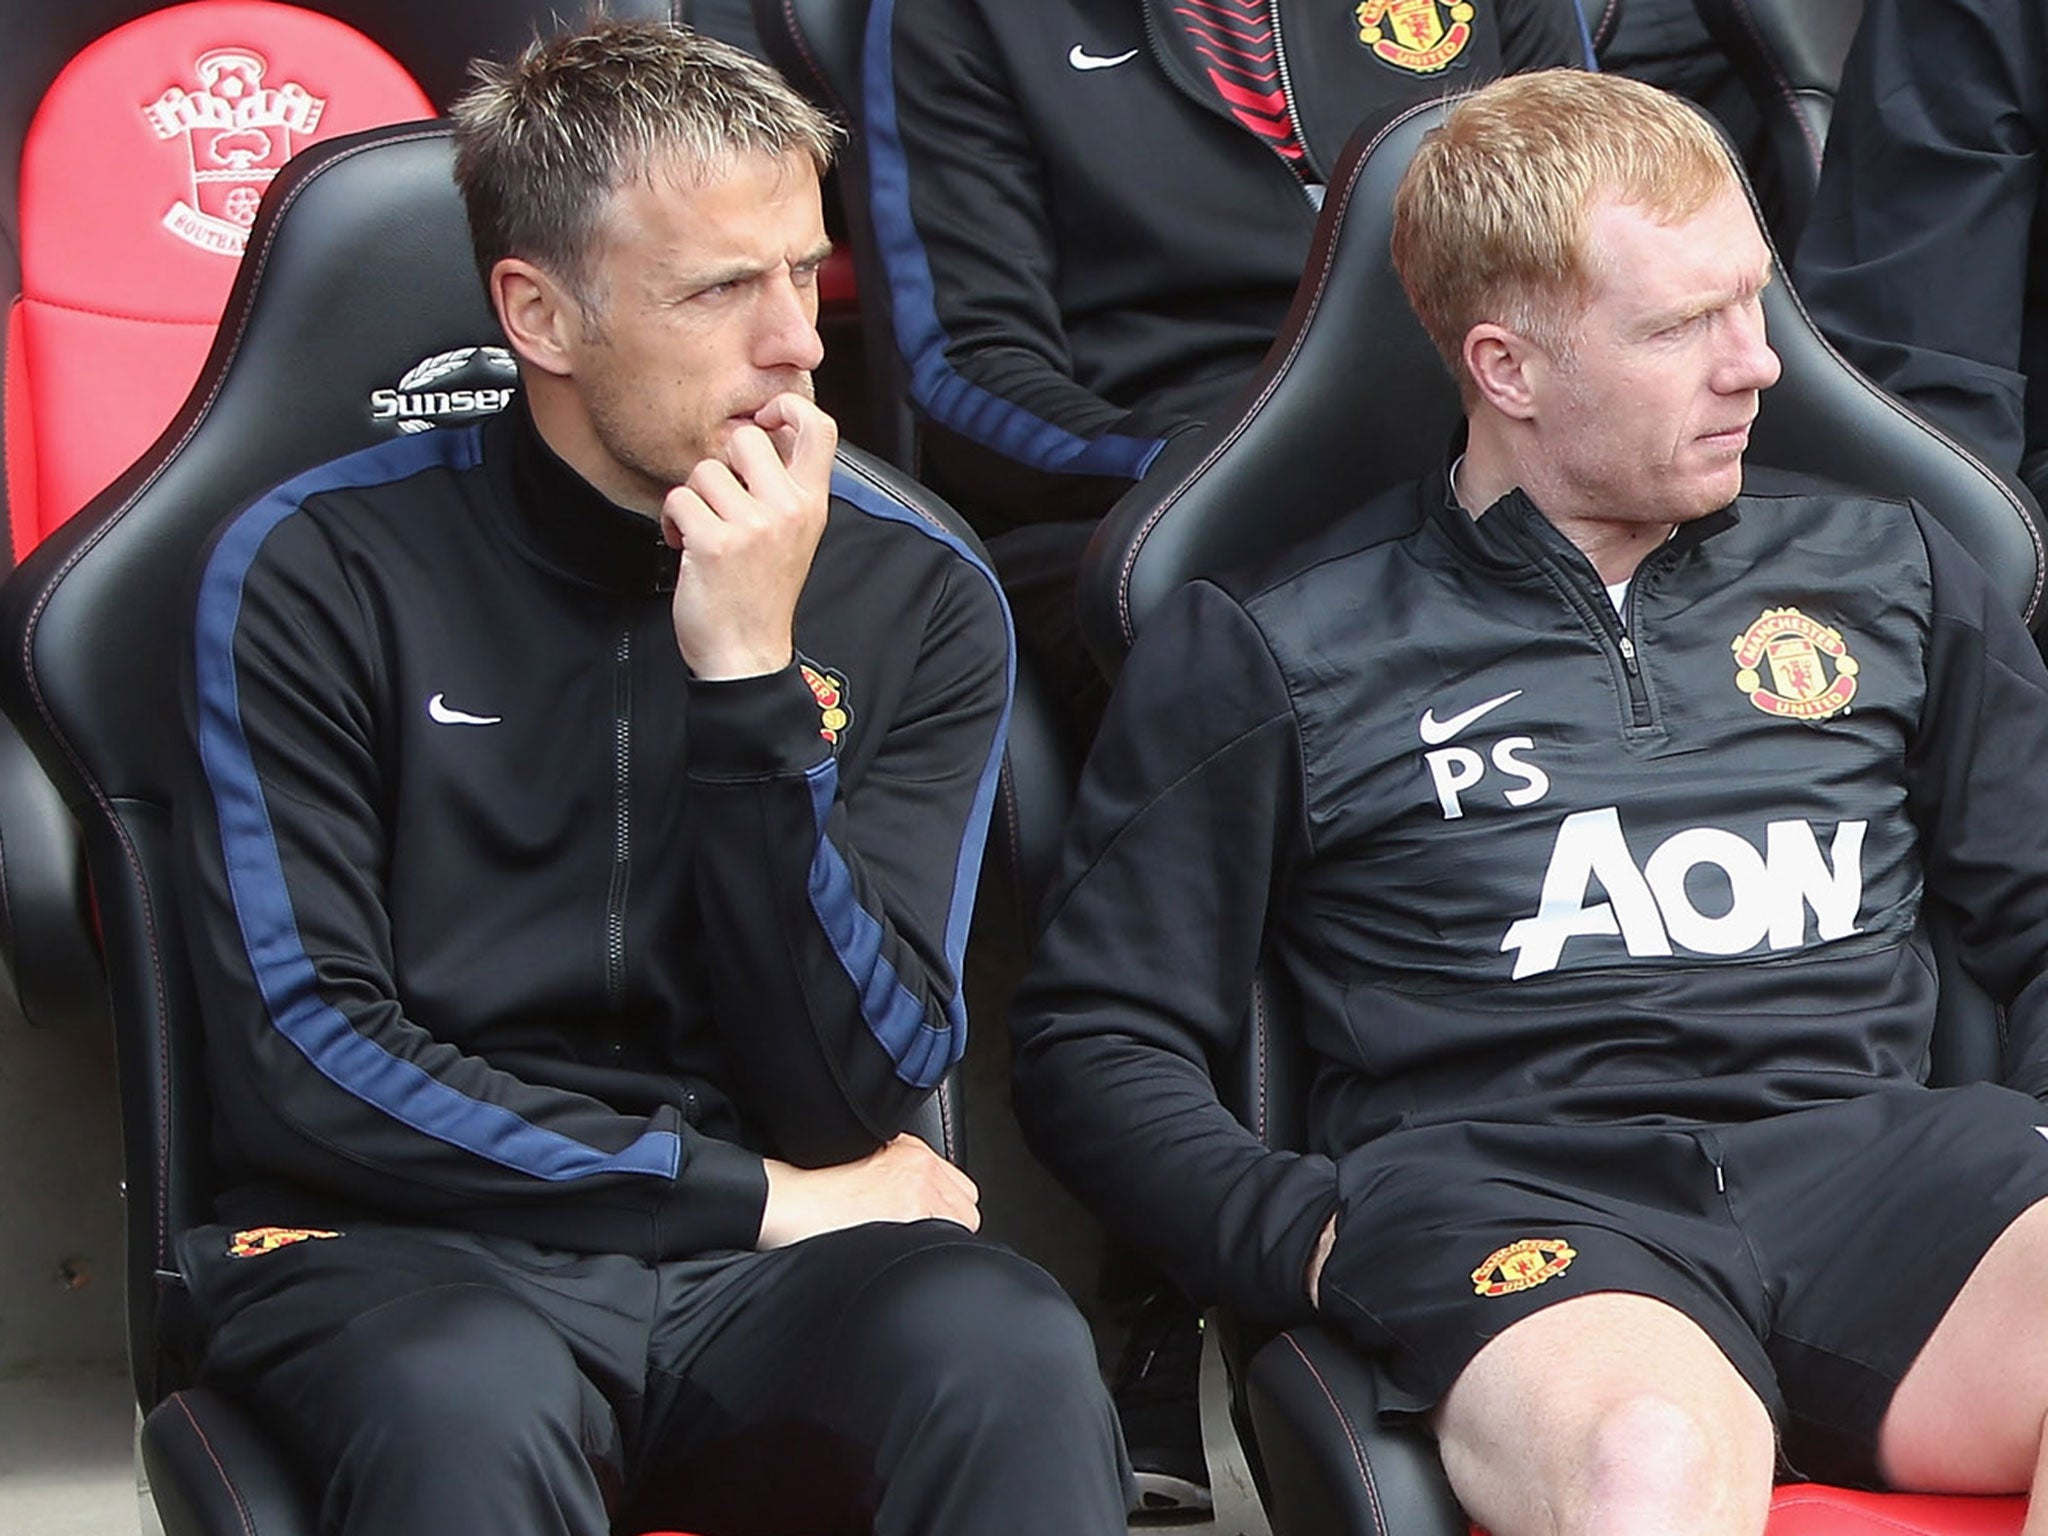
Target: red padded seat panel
{"type": "Point", "coordinates": [1806, 1509]}
{"type": "Point", "coordinates": [140, 176]}
{"type": "Point", "coordinates": [20, 461]}
{"type": "Point", "coordinates": [1809, 1509]}
{"type": "Point", "coordinates": [835, 280]}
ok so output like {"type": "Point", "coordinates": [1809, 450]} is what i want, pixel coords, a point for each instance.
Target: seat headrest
{"type": "Point", "coordinates": [1783, 46]}
{"type": "Point", "coordinates": [141, 174]}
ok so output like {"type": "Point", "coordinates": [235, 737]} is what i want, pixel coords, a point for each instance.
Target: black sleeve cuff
{"type": "Point", "coordinates": [754, 727]}
{"type": "Point", "coordinates": [718, 1200]}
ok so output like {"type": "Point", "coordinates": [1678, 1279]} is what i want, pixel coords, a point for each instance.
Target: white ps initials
{"type": "Point", "coordinates": [1453, 769]}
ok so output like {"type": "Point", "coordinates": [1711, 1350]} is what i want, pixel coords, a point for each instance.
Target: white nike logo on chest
{"type": "Point", "coordinates": [439, 712]}
{"type": "Point", "coordinates": [1080, 58]}
{"type": "Point", "coordinates": [1435, 732]}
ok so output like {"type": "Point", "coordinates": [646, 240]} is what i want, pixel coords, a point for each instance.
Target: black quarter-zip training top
{"type": "Point", "coordinates": [1518, 857]}
{"type": "Point", "coordinates": [501, 920]}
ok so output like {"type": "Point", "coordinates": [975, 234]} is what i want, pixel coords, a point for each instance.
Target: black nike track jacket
{"type": "Point", "coordinates": [501, 920]}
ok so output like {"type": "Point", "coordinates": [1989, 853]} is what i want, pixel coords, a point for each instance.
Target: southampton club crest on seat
{"type": "Point", "coordinates": [238, 133]}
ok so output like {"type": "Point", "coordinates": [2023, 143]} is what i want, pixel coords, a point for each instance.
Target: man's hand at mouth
{"type": "Point", "coordinates": [748, 526]}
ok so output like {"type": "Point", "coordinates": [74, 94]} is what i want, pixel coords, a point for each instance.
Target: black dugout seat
{"type": "Point", "coordinates": [358, 285]}
{"type": "Point", "coordinates": [1353, 399]}
{"type": "Point", "coordinates": [1789, 56]}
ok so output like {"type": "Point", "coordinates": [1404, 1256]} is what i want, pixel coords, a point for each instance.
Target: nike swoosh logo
{"type": "Point", "coordinates": [1081, 59]}
{"type": "Point", "coordinates": [440, 713]}
{"type": "Point", "coordinates": [1436, 732]}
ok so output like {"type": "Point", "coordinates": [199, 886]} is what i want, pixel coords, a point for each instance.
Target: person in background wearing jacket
{"type": "Point", "coordinates": [584, 813]}
{"type": "Point", "coordinates": [1587, 796]}
{"type": "Point", "coordinates": [1926, 256]}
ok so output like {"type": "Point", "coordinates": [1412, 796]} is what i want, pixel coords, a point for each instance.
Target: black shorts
{"type": "Point", "coordinates": [1818, 1248]}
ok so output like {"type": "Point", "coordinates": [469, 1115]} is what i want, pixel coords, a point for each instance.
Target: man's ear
{"type": "Point", "coordinates": [1503, 365]}
{"type": "Point", "coordinates": [541, 318]}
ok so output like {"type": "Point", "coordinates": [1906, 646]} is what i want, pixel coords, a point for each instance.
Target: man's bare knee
{"type": "Point", "coordinates": [1646, 1466]}
{"type": "Point", "coordinates": [1609, 1413]}
{"type": "Point", "coordinates": [1649, 1457]}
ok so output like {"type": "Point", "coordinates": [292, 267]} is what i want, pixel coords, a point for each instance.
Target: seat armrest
{"type": "Point", "coordinates": [1331, 1468]}
{"type": "Point", "coordinates": [212, 1474]}
{"type": "Point", "coordinates": [47, 937]}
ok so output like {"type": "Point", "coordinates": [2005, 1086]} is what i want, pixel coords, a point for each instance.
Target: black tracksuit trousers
{"type": "Point", "coordinates": [893, 1378]}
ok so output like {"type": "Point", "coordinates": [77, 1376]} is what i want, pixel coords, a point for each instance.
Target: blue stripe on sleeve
{"type": "Point", "coordinates": [922, 1052]}
{"type": "Point", "coordinates": [937, 387]}
{"type": "Point", "coordinates": [283, 972]}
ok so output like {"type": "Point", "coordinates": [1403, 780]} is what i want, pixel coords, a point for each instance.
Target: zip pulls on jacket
{"type": "Point", "coordinates": [1588, 595]}
{"type": "Point", "coordinates": [1638, 696]}
{"type": "Point", "coordinates": [1654, 564]}
{"type": "Point", "coordinates": [1592, 603]}
{"type": "Point", "coordinates": [1309, 184]}
{"type": "Point", "coordinates": [1302, 174]}
{"type": "Point", "coordinates": [622, 822]}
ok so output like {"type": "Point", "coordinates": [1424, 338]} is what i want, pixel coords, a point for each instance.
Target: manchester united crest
{"type": "Point", "coordinates": [1793, 667]}
{"type": "Point", "coordinates": [238, 133]}
{"type": "Point", "coordinates": [251, 1241]}
{"type": "Point", "coordinates": [1522, 1266]}
{"type": "Point", "coordinates": [829, 689]}
{"type": "Point", "coordinates": [1420, 36]}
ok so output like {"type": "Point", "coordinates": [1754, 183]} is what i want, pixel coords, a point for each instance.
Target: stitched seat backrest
{"type": "Point", "coordinates": [1603, 19]}
{"type": "Point", "coordinates": [1352, 399]}
{"type": "Point", "coordinates": [1349, 399]}
{"type": "Point", "coordinates": [1788, 54]}
{"type": "Point", "coordinates": [357, 277]}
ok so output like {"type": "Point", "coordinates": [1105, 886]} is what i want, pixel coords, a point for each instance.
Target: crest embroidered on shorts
{"type": "Point", "coordinates": [1420, 36]}
{"type": "Point", "coordinates": [829, 689]}
{"type": "Point", "coordinates": [1793, 667]}
{"type": "Point", "coordinates": [1522, 1266]}
{"type": "Point", "coordinates": [251, 1241]}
